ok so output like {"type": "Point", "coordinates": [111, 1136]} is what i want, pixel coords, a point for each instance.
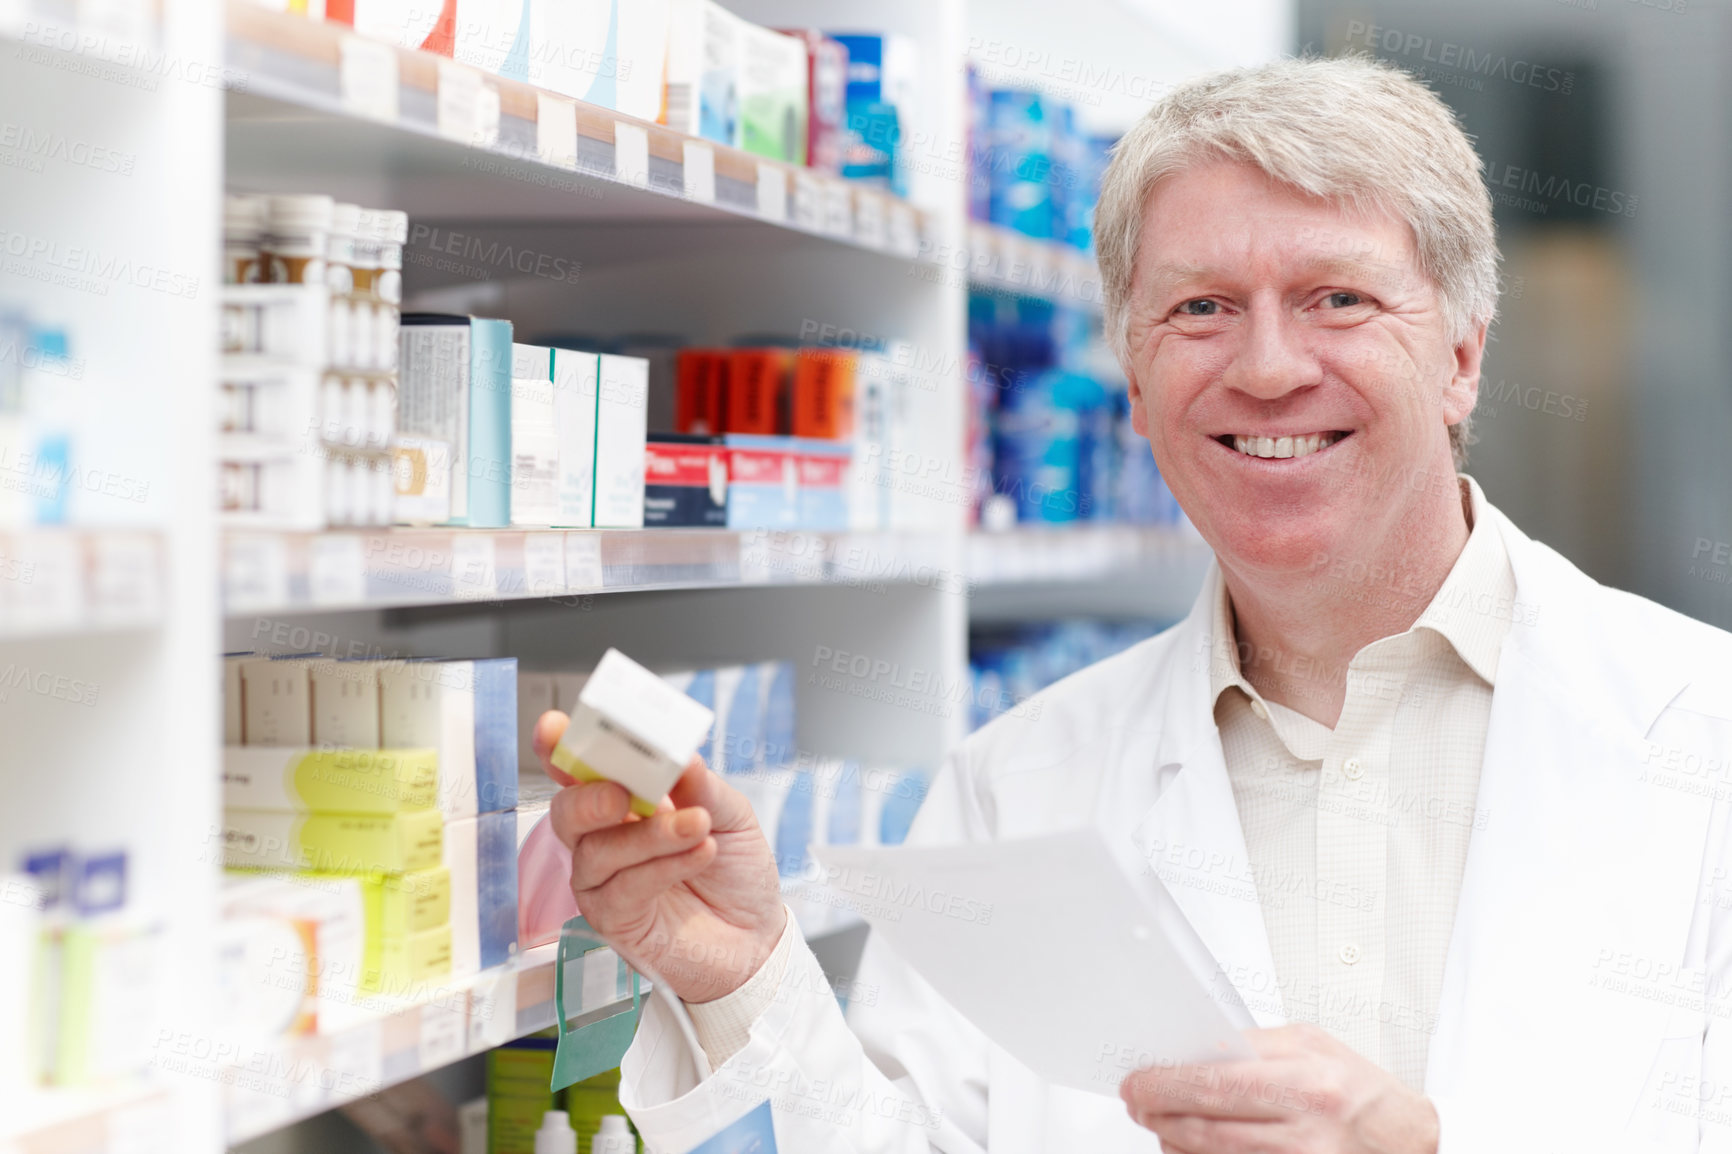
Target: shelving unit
{"type": "Point", "coordinates": [140, 597]}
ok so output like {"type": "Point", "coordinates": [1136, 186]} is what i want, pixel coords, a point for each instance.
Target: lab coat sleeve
{"type": "Point", "coordinates": [910, 1076]}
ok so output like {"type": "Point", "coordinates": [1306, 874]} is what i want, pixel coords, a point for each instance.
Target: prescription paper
{"type": "Point", "coordinates": [1080, 971]}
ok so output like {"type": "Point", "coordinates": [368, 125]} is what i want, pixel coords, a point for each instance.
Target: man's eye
{"type": "Point", "coordinates": [1343, 300]}
{"type": "Point", "coordinates": [1199, 308]}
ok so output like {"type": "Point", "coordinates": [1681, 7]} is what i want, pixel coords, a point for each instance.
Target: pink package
{"type": "Point", "coordinates": [544, 901]}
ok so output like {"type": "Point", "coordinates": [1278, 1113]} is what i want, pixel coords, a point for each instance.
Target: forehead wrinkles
{"type": "Point", "coordinates": [1271, 250]}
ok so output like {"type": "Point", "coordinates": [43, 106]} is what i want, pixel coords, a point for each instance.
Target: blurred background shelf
{"type": "Point", "coordinates": [280, 572]}
{"type": "Point", "coordinates": [61, 581]}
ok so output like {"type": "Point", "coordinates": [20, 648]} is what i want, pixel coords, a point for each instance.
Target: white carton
{"type": "Point", "coordinates": [631, 727]}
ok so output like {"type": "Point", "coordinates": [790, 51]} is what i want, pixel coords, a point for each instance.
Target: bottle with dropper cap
{"type": "Point", "coordinates": [613, 1137]}
{"type": "Point", "coordinates": [556, 1135]}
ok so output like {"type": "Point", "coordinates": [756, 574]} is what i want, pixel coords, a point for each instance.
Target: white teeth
{"type": "Point", "coordinates": [1283, 447]}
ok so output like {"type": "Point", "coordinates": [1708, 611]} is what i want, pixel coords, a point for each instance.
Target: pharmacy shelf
{"type": "Point", "coordinates": [311, 103]}
{"type": "Point", "coordinates": [1004, 261]}
{"type": "Point", "coordinates": [1077, 553]}
{"type": "Point", "coordinates": [389, 1040]}
{"type": "Point", "coordinates": [1122, 571]}
{"type": "Point", "coordinates": [55, 582]}
{"type": "Point", "coordinates": [393, 1040]}
{"type": "Point", "coordinates": [82, 1121]}
{"type": "Point", "coordinates": [275, 572]}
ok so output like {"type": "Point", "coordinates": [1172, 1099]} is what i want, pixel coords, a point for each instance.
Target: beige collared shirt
{"type": "Point", "coordinates": [1358, 836]}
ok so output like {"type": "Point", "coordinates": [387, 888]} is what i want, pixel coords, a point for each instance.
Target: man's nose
{"type": "Point", "coordinates": [1272, 359]}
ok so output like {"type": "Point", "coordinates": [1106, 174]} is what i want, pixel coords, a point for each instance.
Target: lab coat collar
{"type": "Point", "coordinates": [1191, 836]}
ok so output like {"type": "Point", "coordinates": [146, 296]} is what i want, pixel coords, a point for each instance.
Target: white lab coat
{"type": "Point", "coordinates": [1587, 992]}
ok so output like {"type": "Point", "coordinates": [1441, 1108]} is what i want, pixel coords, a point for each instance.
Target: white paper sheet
{"type": "Point", "coordinates": [1076, 969]}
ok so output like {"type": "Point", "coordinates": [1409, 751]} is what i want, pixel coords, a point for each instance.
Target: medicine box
{"type": "Point", "coordinates": [333, 843]}
{"type": "Point", "coordinates": [703, 71]}
{"type": "Point", "coordinates": [454, 385]}
{"type": "Point", "coordinates": [826, 98]}
{"type": "Point", "coordinates": [772, 93]}
{"type": "Point", "coordinates": [467, 712]}
{"type": "Point", "coordinates": [620, 427]}
{"type": "Point", "coordinates": [376, 781]}
{"type": "Point", "coordinates": [763, 482]}
{"type": "Point", "coordinates": [630, 726]}
{"type": "Point", "coordinates": [576, 382]}
{"type": "Point", "coordinates": [534, 438]}
{"type": "Point", "coordinates": [481, 854]}
{"type": "Point", "coordinates": [685, 481]}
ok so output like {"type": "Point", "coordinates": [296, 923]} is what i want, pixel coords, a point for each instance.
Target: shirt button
{"type": "Point", "coordinates": [1352, 770]}
{"type": "Point", "coordinates": [1261, 710]}
{"type": "Point", "coordinates": [1349, 954]}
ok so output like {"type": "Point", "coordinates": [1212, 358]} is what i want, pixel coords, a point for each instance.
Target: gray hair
{"type": "Point", "coordinates": [1351, 130]}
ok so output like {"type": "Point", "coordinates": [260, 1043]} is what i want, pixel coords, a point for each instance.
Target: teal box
{"type": "Point", "coordinates": [454, 385]}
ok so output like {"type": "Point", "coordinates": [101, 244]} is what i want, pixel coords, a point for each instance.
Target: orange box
{"type": "Point", "coordinates": [700, 391]}
{"type": "Point", "coordinates": [824, 393]}
{"type": "Point", "coordinates": [757, 400]}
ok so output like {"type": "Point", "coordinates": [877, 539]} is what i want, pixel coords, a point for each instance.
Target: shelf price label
{"type": "Point", "coordinates": [838, 209]}
{"type": "Point", "coordinates": [583, 571]}
{"type": "Point", "coordinates": [125, 578]}
{"type": "Point", "coordinates": [336, 570]}
{"type": "Point", "coordinates": [367, 78]}
{"type": "Point", "coordinates": [630, 154]}
{"type": "Point", "coordinates": [544, 564]}
{"type": "Point", "coordinates": [468, 109]}
{"type": "Point", "coordinates": [870, 227]}
{"type": "Point", "coordinates": [808, 201]}
{"type": "Point", "coordinates": [444, 1032]}
{"type": "Point", "coordinates": [772, 193]}
{"type": "Point", "coordinates": [474, 569]}
{"type": "Point", "coordinates": [255, 573]}
{"type": "Point", "coordinates": [700, 172]}
{"type": "Point", "coordinates": [904, 231]}
{"type": "Point", "coordinates": [555, 130]}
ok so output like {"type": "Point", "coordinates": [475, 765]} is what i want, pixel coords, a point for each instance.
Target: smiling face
{"type": "Point", "coordinates": [1292, 368]}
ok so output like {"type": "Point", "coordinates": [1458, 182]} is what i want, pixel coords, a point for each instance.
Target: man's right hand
{"type": "Point", "coordinates": [690, 894]}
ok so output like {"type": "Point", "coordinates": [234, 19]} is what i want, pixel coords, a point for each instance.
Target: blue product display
{"type": "Point", "coordinates": [1050, 420]}
{"type": "Point", "coordinates": [794, 829]}
{"type": "Point", "coordinates": [879, 84]}
{"type": "Point", "coordinates": [845, 807]}
{"type": "Point", "coordinates": [702, 689]}
{"type": "Point", "coordinates": [900, 807]}
{"type": "Point", "coordinates": [495, 734]}
{"type": "Point", "coordinates": [1009, 665]}
{"type": "Point", "coordinates": [1020, 130]}
{"type": "Point", "coordinates": [743, 731]}
{"type": "Point", "coordinates": [496, 876]}
{"type": "Point", "coordinates": [778, 748]}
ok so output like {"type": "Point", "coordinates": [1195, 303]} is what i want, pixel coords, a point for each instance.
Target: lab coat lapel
{"type": "Point", "coordinates": [1574, 859]}
{"type": "Point", "coordinates": [1191, 837]}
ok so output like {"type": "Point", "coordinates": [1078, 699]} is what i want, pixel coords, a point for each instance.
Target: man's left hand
{"type": "Point", "coordinates": [1304, 1091]}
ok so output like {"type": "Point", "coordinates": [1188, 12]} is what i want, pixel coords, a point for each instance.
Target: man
{"type": "Point", "coordinates": [1426, 791]}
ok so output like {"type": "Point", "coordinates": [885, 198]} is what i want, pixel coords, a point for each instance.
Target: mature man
{"type": "Point", "coordinates": [1423, 788]}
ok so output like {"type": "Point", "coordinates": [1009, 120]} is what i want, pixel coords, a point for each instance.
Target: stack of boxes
{"type": "Point", "coordinates": [381, 793]}
{"type": "Point", "coordinates": [780, 438]}
{"type": "Point", "coordinates": [308, 391]}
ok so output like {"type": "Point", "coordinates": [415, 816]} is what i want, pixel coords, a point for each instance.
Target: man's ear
{"type": "Point", "coordinates": [1462, 392]}
{"type": "Point", "coordinates": [1139, 415]}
